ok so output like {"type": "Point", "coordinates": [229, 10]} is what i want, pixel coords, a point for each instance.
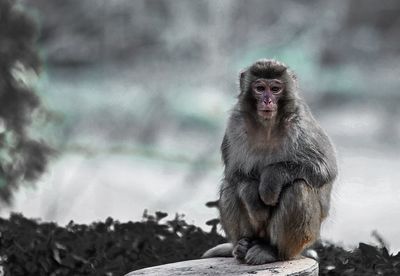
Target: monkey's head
{"type": "Point", "coordinates": [267, 89]}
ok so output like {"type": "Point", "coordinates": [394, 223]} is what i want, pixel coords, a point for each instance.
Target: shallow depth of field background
{"type": "Point", "coordinates": [138, 93]}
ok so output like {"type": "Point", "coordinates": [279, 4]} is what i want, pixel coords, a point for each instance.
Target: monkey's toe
{"type": "Point", "coordinates": [241, 248]}
{"type": "Point", "coordinates": [259, 254]}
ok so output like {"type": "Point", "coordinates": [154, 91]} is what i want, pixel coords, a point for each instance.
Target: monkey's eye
{"type": "Point", "coordinates": [259, 88]}
{"type": "Point", "coordinates": [275, 89]}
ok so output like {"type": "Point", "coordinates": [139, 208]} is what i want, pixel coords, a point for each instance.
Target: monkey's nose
{"type": "Point", "coordinates": [267, 101]}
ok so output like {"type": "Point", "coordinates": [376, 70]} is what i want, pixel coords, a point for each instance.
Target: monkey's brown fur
{"type": "Point", "coordinates": [279, 169]}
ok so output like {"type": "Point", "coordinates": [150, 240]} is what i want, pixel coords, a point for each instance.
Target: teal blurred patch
{"type": "Point", "coordinates": [298, 58]}
{"type": "Point", "coordinates": [3, 182]}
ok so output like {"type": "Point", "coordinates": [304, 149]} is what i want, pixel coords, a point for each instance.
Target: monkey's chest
{"type": "Point", "coordinates": [252, 157]}
{"type": "Point", "coordinates": [266, 140]}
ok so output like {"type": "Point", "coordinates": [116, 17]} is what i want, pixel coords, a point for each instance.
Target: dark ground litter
{"type": "Point", "coordinates": [29, 247]}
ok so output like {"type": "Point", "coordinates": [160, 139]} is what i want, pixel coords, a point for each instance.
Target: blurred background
{"type": "Point", "coordinates": [136, 95]}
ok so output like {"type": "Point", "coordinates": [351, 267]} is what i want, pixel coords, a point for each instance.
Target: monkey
{"type": "Point", "coordinates": [279, 168]}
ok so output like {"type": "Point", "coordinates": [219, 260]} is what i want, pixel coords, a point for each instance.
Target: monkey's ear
{"type": "Point", "coordinates": [242, 79]}
{"type": "Point", "coordinates": [292, 75]}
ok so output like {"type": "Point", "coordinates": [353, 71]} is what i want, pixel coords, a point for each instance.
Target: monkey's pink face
{"type": "Point", "coordinates": [267, 93]}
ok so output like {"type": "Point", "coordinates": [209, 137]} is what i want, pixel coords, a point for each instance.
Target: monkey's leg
{"type": "Point", "coordinates": [296, 221]}
{"type": "Point", "coordinates": [235, 219]}
{"type": "Point", "coordinates": [258, 213]}
{"type": "Point", "coordinates": [258, 250]}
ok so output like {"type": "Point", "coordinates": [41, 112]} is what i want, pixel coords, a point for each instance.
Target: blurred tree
{"type": "Point", "coordinates": [22, 159]}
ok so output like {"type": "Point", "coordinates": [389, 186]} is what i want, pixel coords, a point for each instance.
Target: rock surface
{"type": "Point", "coordinates": [229, 266]}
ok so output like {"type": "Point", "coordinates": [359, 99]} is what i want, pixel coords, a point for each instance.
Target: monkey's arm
{"type": "Point", "coordinates": [274, 177]}
{"type": "Point", "coordinates": [225, 149]}
{"type": "Point", "coordinates": [315, 174]}
{"type": "Point", "coordinates": [314, 159]}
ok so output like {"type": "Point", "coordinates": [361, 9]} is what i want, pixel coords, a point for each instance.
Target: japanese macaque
{"type": "Point", "coordinates": [279, 170]}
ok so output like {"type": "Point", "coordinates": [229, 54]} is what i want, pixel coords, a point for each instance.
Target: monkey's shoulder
{"type": "Point", "coordinates": [312, 143]}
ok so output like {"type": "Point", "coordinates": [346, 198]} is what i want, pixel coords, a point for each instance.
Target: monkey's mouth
{"type": "Point", "coordinates": [266, 113]}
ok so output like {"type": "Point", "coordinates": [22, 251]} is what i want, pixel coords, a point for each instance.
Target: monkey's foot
{"type": "Point", "coordinates": [241, 248]}
{"type": "Point", "coordinates": [260, 254]}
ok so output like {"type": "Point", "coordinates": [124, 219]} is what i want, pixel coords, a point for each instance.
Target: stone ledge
{"type": "Point", "coordinates": [229, 266]}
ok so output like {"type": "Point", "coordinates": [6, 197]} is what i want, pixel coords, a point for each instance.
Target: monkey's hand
{"type": "Point", "coordinates": [272, 180]}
